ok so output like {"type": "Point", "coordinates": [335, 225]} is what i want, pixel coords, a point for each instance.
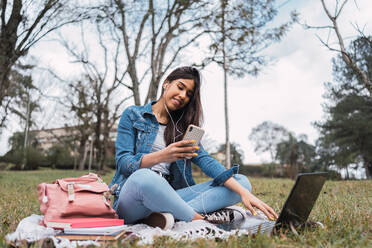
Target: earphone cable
{"type": "Point", "coordinates": [184, 167]}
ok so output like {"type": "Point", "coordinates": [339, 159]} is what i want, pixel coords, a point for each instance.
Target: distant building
{"type": "Point", "coordinates": [47, 138]}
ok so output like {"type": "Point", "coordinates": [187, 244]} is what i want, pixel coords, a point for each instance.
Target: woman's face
{"type": "Point", "coordinates": [178, 93]}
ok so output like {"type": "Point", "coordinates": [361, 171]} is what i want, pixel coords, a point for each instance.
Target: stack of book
{"type": "Point", "coordinates": [98, 229]}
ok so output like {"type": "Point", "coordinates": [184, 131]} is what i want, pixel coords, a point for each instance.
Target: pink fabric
{"type": "Point", "coordinates": [87, 198]}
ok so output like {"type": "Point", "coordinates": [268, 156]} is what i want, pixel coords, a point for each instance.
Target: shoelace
{"type": "Point", "coordinates": [220, 217]}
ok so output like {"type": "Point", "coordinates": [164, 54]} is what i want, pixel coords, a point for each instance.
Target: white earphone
{"type": "Point", "coordinates": [174, 140]}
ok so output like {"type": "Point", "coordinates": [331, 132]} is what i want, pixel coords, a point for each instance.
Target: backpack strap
{"type": "Point", "coordinates": [70, 191]}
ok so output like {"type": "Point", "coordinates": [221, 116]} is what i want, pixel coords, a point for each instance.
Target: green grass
{"type": "Point", "coordinates": [344, 207]}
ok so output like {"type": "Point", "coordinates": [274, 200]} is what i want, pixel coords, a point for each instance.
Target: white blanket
{"type": "Point", "coordinates": [29, 230]}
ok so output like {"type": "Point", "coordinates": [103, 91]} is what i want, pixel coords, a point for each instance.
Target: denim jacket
{"type": "Point", "coordinates": [137, 131]}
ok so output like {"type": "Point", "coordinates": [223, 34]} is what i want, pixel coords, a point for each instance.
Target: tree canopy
{"type": "Point", "coordinates": [346, 134]}
{"type": "Point", "coordinates": [266, 137]}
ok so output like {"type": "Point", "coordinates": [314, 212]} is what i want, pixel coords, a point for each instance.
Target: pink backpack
{"type": "Point", "coordinates": [75, 197]}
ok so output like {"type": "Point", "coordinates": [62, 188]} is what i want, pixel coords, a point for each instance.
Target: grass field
{"type": "Point", "coordinates": [344, 207]}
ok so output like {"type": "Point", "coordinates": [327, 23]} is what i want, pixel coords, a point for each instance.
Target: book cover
{"type": "Point", "coordinates": [108, 230]}
{"type": "Point", "coordinates": [114, 236]}
{"type": "Point", "coordinates": [84, 222]}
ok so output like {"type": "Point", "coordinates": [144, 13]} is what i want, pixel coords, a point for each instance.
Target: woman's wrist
{"type": "Point", "coordinates": [244, 192]}
{"type": "Point", "coordinates": [232, 184]}
{"type": "Point", "coordinates": [159, 156]}
{"type": "Point", "coordinates": [151, 159]}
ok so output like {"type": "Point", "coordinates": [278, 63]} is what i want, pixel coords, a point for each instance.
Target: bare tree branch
{"type": "Point", "coordinates": [326, 44]}
{"type": "Point", "coordinates": [166, 23]}
{"type": "Point", "coordinates": [339, 11]}
{"type": "Point", "coordinates": [345, 55]}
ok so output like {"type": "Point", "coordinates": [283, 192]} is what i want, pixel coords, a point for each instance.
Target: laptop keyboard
{"type": "Point", "coordinates": [252, 225]}
{"type": "Point", "coordinates": [264, 227]}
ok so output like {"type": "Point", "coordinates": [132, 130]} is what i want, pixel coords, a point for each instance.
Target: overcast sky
{"type": "Point", "coordinates": [288, 92]}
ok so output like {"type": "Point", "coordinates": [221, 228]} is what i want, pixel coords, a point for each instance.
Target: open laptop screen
{"type": "Point", "coordinates": [301, 200]}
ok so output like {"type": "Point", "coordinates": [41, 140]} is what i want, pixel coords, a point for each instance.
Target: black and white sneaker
{"type": "Point", "coordinates": [223, 216]}
{"type": "Point", "coordinates": [162, 220]}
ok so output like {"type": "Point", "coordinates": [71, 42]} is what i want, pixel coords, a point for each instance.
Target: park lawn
{"type": "Point", "coordinates": [344, 207]}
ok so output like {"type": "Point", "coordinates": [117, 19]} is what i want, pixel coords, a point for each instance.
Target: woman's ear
{"type": "Point", "coordinates": [165, 85]}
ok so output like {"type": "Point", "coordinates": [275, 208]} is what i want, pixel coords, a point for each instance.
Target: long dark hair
{"type": "Point", "coordinates": [192, 113]}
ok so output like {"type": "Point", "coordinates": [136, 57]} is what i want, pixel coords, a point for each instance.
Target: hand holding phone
{"type": "Point", "coordinates": [184, 149]}
{"type": "Point", "coordinates": [194, 133]}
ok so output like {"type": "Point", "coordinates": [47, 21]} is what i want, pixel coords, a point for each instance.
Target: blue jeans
{"type": "Point", "coordinates": [145, 192]}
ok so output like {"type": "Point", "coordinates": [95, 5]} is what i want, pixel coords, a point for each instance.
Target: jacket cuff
{"type": "Point", "coordinates": [221, 178]}
{"type": "Point", "coordinates": [128, 167]}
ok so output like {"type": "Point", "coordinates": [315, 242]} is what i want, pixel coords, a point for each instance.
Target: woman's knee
{"type": "Point", "coordinates": [243, 180]}
{"type": "Point", "coordinates": [144, 179]}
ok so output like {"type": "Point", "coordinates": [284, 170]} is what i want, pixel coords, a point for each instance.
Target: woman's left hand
{"type": "Point", "coordinates": [250, 201]}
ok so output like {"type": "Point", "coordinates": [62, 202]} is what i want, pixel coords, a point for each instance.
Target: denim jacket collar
{"type": "Point", "coordinates": [147, 109]}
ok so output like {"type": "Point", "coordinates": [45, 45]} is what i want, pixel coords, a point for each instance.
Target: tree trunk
{"type": "Point", "coordinates": [98, 131]}
{"type": "Point", "coordinates": [368, 168]}
{"type": "Point", "coordinates": [90, 153]}
{"type": "Point", "coordinates": [106, 136]}
{"type": "Point", "coordinates": [27, 128]}
{"type": "Point", "coordinates": [135, 84]}
{"type": "Point", "coordinates": [75, 155]}
{"type": "Point", "coordinates": [152, 91]}
{"type": "Point", "coordinates": [4, 81]}
{"type": "Point", "coordinates": [293, 161]}
{"type": "Point", "coordinates": [83, 155]}
{"type": "Point", "coordinates": [8, 41]}
{"type": "Point", "coordinates": [227, 128]}
{"type": "Point", "coordinates": [291, 171]}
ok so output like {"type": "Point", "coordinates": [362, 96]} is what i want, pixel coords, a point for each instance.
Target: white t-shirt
{"type": "Point", "coordinates": [158, 145]}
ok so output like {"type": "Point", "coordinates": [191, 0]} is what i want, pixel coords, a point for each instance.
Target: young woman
{"type": "Point", "coordinates": [153, 163]}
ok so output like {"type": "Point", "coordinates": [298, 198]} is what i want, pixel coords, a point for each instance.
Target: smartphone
{"type": "Point", "coordinates": [194, 133]}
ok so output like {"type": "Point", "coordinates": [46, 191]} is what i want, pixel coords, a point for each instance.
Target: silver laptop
{"type": "Point", "coordinates": [295, 211]}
